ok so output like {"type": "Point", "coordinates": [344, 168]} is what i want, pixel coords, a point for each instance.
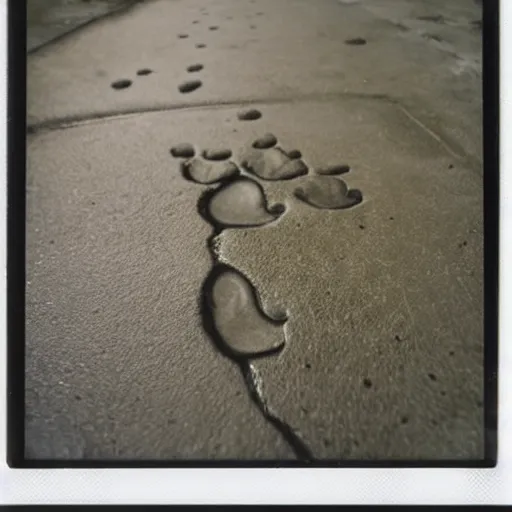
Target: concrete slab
{"type": "Point", "coordinates": [384, 352]}
{"type": "Point", "coordinates": [48, 20]}
{"type": "Point", "coordinates": [118, 364]}
{"type": "Point", "coordinates": [384, 338]}
{"type": "Point", "coordinates": [379, 304]}
{"type": "Point", "coordinates": [253, 56]}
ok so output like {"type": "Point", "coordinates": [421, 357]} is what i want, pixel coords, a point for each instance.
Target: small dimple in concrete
{"type": "Point", "coordinates": [194, 68]}
{"type": "Point", "coordinates": [332, 170]}
{"type": "Point", "coordinates": [356, 41]}
{"type": "Point", "coordinates": [182, 36]}
{"type": "Point", "coordinates": [267, 141]}
{"type": "Point", "coordinates": [249, 114]}
{"type": "Point", "coordinates": [239, 320]}
{"type": "Point", "coordinates": [200, 45]}
{"type": "Point", "coordinates": [183, 150]}
{"type": "Point", "coordinates": [121, 84]}
{"type": "Point", "coordinates": [240, 203]}
{"type": "Point", "coordinates": [327, 192]}
{"type": "Point", "coordinates": [204, 172]}
{"type": "Point", "coordinates": [436, 18]}
{"type": "Point", "coordinates": [217, 154]}
{"type": "Point", "coordinates": [213, 27]}
{"type": "Point", "coordinates": [189, 86]}
{"type": "Point", "coordinates": [144, 72]}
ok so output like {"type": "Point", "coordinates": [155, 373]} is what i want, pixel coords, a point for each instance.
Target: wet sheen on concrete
{"type": "Point", "coordinates": [377, 332]}
{"type": "Point", "coordinates": [438, 82]}
{"type": "Point", "coordinates": [118, 362]}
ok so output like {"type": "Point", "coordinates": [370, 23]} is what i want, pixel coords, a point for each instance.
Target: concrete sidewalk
{"type": "Point", "coordinates": [48, 20]}
{"type": "Point", "coordinates": [332, 327]}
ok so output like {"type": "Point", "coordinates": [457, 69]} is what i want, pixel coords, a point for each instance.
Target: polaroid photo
{"type": "Point", "coordinates": [254, 252]}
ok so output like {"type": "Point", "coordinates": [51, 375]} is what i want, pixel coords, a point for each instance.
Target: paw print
{"type": "Point", "coordinates": [232, 312]}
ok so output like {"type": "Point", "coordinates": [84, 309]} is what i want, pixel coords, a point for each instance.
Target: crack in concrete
{"type": "Point", "coordinates": [427, 130]}
{"type": "Point", "coordinates": [251, 376]}
{"type": "Point", "coordinates": [452, 148]}
{"type": "Point", "coordinates": [254, 384]}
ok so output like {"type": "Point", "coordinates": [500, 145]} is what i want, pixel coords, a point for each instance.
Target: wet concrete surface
{"type": "Point", "coordinates": [242, 66]}
{"type": "Point", "coordinates": [378, 299]}
{"type": "Point", "coordinates": [374, 294]}
{"type": "Point", "coordinates": [116, 352]}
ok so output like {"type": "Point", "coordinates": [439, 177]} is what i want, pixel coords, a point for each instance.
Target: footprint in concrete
{"type": "Point", "coordinates": [333, 170]}
{"type": "Point", "coordinates": [194, 68]}
{"type": "Point", "coordinates": [250, 114]}
{"type": "Point", "coordinates": [356, 41]}
{"type": "Point", "coordinates": [121, 84]}
{"type": "Point", "coordinates": [239, 203]}
{"type": "Point", "coordinates": [271, 164]}
{"type": "Point", "coordinates": [327, 192]}
{"type": "Point", "coordinates": [144, 72]}
{"type": "Point", "coordinates": [189, 86]}
{"type": "Point", "coordinates": [206, 172]}
{"type": "Point", "coordinates": [239, 323]}
{"type": "Point", "coordinates": [212, 166]}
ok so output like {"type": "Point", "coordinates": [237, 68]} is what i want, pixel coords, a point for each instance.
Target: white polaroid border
{"type": "Point", "coordinates": [282, 486]}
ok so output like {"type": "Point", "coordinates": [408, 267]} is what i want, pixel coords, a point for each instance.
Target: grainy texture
{"type": "Point", "coordinates": [383, 342]}
{"type": "Point", "coordinates": [118, 363]}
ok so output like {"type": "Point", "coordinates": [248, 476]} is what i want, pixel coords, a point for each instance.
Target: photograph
{"type": "Point", "coordinates": [254, 234]}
